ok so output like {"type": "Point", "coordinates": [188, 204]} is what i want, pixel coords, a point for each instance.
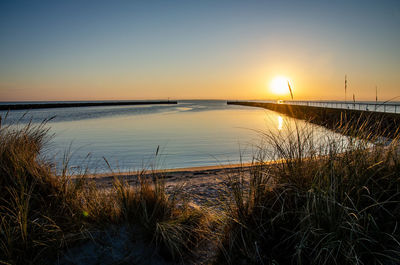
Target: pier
{"type": "Point", "coordinates": [51, 105]}
{"type": "Point", "coordinates": [339, 119]}
{"type": "Point", "coordinates": [367, 106]}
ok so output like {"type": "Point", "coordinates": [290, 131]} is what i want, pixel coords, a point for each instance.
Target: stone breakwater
{"type": "Point", "coordinates": [52, 105]}
{"type": "Point", "coordinates": [340, 120]}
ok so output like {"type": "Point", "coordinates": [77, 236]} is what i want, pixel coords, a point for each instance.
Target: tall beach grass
{"type": "Point", "coordinates": [43, 214]}
{"type": "Point", "coordinates": [322, 200]}
{"type": "Point", "coordinates": [329, 202]}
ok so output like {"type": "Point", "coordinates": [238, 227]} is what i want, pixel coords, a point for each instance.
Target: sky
{"type": "Point", "coordinates": [121, 50]}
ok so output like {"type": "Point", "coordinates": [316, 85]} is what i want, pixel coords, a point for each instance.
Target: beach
{"type": "Point", "coordinates": [197, 214]}
{"type": "Point", "coordinates": [203, 185]}
{"type": "Point", "coordinates": [199, 132]}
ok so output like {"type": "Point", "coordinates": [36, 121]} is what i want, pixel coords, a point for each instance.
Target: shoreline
{"type": "Point", "coordinates": [170, 176]}
{"type": "Point", "coordinates": [173, 170]}
{"type": "Point", "coordinates": [203, 185]}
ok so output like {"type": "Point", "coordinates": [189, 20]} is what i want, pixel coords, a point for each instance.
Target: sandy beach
{"type": "Point", "coordinates": [202, 184]}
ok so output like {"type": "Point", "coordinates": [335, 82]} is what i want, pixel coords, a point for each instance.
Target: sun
{"type": "Point", "coordinates": [279, 85]}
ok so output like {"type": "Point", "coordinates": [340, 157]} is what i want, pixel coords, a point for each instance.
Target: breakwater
{"type": "Point", "coordinates": [342, 120]}
{"type": "Point", "coordinates": [51, 105]}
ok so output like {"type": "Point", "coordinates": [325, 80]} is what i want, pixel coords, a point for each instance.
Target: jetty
{"type": "Point", "coordinates": [51, 105]}
{"type": "Point", "coordinates": [343, 120]}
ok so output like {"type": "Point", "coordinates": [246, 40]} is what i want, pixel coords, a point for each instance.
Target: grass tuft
{"type": "Point", "coordinates": [325, 202]}
{"type": "Point", "coordinates": [169, 222]}
{"type": "Point", "coordinates": [44, 214]}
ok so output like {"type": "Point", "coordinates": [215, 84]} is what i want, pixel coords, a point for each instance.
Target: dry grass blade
{"type": "Point", "coordinates": [332, 202]}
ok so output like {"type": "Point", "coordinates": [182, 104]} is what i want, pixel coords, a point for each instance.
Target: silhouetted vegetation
{"type": "Point", "coordinates": [321, 203]}
{"type": "Point", "coordinates": [42, 213]}
{"type": "Point", "coordinates": [329, 202]}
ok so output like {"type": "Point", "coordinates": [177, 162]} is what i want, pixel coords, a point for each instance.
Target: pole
{"type": "Point", "coordinates": [345, 88]}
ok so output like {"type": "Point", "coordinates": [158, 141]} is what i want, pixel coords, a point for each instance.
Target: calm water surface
{"type": "Point", "coordinates": [191, 133]}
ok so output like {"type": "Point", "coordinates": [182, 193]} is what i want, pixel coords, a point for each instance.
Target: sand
{"type": "Point", "coordinates": [203, 185]}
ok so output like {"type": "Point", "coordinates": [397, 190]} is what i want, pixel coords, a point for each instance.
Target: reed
{"type": "Point", "coordinates": [330, 202]}
{"type": "Point", "coordinates": [166, 220]}
{"type": "Point", "coordinates": [44, 214]}
{"type": "Point", "coordinates": [34, 206]}
{"type": "Point", "coordinates": [324, 200]}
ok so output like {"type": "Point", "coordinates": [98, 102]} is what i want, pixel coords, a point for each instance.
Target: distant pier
{"type": "Point", "coordinates": [51, 105]}
{"type": "Point", "coordinates": [374, 123]}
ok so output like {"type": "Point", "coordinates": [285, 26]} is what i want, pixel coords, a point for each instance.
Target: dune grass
{"type": "Point", "coordinates": [323, 201]}
{"type": "Point", "coordinates": [43, 214]}
{"type": "Point", "coordinates": [330, 202]}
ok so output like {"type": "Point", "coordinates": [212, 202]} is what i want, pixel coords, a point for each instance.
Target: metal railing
{"type": "Point", "coordinates": [365, 106]}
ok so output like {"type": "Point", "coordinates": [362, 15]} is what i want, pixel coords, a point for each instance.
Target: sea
{"type": "Point", "coordinates": [191, 133]}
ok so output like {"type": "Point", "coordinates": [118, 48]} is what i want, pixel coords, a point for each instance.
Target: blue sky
{"type": "Point", "coordinates": [72, 50]}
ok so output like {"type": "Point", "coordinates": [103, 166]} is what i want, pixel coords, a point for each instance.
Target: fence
{"type": "Point", "coordinates": [365, 106]}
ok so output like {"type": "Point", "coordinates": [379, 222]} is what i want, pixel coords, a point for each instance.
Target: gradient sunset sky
{"type": "Point", "coordinates": [107, 50]}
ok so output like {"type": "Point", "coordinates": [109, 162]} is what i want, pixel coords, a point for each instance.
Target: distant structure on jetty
{"type": "Point", "coordinates": [50, 105]}
{"type": "Point", "coordinates": [339, 119]}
